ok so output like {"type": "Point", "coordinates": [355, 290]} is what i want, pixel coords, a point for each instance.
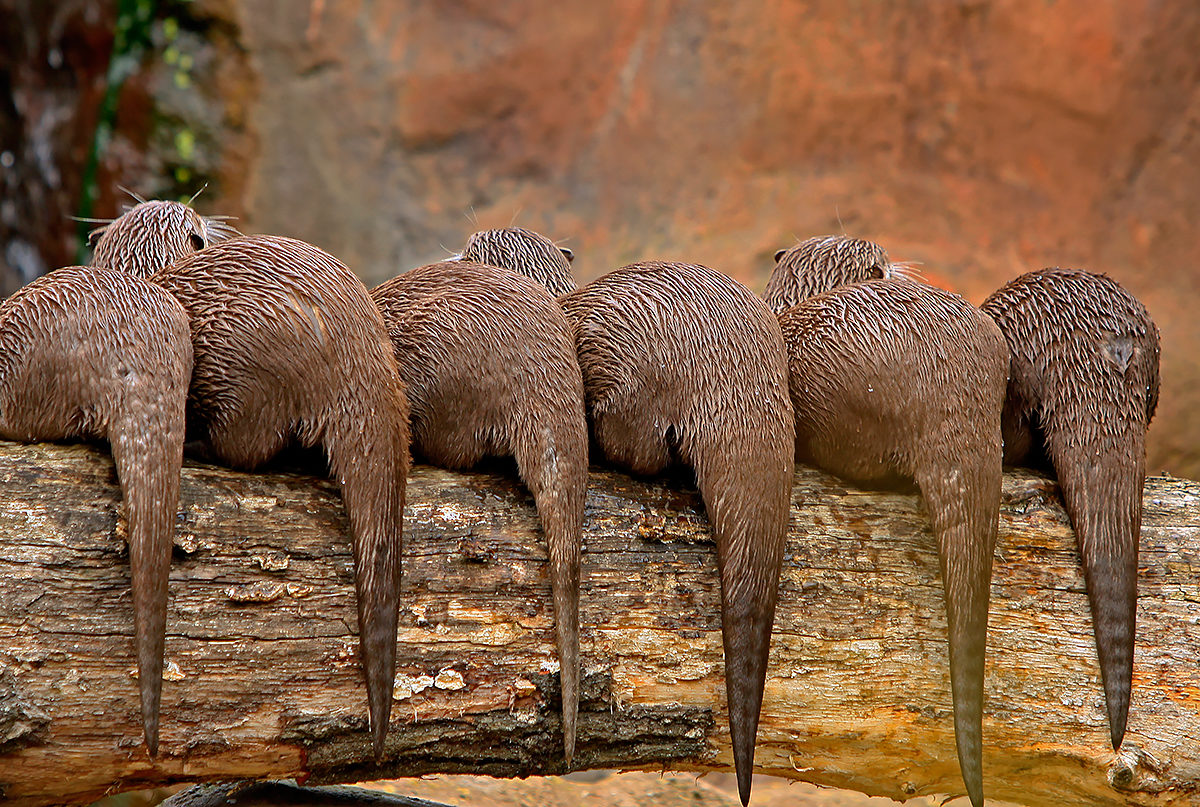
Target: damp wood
{"type": "Point", "coordinates": [263, 679]}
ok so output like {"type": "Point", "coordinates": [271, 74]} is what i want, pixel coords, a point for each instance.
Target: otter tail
{"type": "Point", "coordinates": [746, 486]}
{"type": "Point", "coordinates": [368, 453]}
{"type": "Point", "coordinates": [147, 448]}
{"type": "Point", "coordinates": [1102, 488]}
{"type": "Point", "coordinates": [964, 507]}
{"type": "Point", "coordinates": [555, 469]}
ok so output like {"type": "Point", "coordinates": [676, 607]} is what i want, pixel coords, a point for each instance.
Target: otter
{"type": "Point", "coordinates": [525, 252]}
{"type": "Point", "coordinates": [822, 263]}
{"type": "Point", "coordinates": [1083, 390]}
{"type": "Point", "coordinates": [154, 234]}
{"type": "Point", "coordinates": [890, 380]}
{"type": "Point", "coordinates": [488, 361]}
{"type": "Point", "coordinates": [289, 347]}
{"type": "Point", "coordinates": [682, 363]}
{"type": "Point", "coordinates": [96, 354]}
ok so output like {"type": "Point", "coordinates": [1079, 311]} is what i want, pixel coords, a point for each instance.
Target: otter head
{"type": "Point", "coordinates": [153, 235]}
{"type": "Point", "coordinates": [823, 263]}
{"type": "Point", "coordinates": [525, 252]}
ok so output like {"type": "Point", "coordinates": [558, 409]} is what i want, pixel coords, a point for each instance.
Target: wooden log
{"type": "Point", "coordinates": [263, 678]}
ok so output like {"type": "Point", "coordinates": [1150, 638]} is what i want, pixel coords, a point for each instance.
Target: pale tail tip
{"type": "Point", "coordinates": [569, 749]}
{"type": "Point", "coordinates": [152, 740]}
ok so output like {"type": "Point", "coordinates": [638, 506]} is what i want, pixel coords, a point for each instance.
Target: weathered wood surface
{"type": "Point", "coordinates": [263, 678]}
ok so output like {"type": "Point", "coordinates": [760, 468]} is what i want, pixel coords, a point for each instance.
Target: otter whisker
{"type": "Point", "coordinates": [197, 193]}
{"type": "Point", "coordinates": [905, 269]}
{"type": "Point", "coordinates": [136, 196]}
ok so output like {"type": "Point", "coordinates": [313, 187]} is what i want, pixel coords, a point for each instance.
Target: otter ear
{"type": "Point", "coordinates": [570, 256]}
{"type": "Point", "coordinates": [197, 241]}
{"type": "Point", "coordinates": [93, 236]}
{"type": "Point", "coordinates": [780, 254]}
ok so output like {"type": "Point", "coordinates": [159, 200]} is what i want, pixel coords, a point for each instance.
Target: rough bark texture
{"type": "Point", "coordinates": [263, 679]}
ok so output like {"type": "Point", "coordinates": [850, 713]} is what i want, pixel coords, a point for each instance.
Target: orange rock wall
{"type": "Point", "coordinates": [981, 138]}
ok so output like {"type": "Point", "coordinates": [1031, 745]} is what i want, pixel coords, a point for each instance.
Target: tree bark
{"type": "Point", "coordinates": [263, 679]}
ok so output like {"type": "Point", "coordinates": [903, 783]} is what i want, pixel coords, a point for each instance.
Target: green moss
{"type": "Point", "coordinates": [162, 40]}
{"type": "Point", "coordinates": [130, 40]}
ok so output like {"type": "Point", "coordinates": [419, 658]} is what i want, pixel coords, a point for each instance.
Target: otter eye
{"type": "Point", "coordinates": [197, 241]}
{"type": "Point", "coordinates": [780, 254]}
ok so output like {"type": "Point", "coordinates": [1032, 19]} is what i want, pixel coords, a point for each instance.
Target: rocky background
{"type": "Point", "coordinates": [979, 138]}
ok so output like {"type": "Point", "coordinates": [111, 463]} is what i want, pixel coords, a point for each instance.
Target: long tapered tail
{"type": "Point", "coordinates": [747, 499]}
{"type": "Point", "coordinates": [1102, 490]}
{"type": "Point", "coordinates": [553, 464]}
{"type": "Point", "coordinates": [368, 453]}
{"type": "Point", "coordinates": [963, 499]}
{"type": "Point", "coordinates": [147, 447]}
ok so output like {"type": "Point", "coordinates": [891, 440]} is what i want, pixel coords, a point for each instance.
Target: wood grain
{"type": "Point", "coordinates": [263, 678]}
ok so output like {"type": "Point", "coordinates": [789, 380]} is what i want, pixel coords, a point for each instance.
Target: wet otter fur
{"type": "Point", "coordinates": [892, 379]}
{"type": "Point", "coordinates": [488, 361]}
{"type": "Point", "coordinates": [1083, 390]}
{"type": "Point", "coordinates": [289, 347]}
{"type": "Point", "coordinates": [92, 353]}
{"type": "Point", "coordinates": [822, 263]}
{"type": "Point", "coordinates": [154, 234]}
{"type": "Point", "coordinates": [524, 252]}
{"type": "Point", "coordinates": [682, 363]}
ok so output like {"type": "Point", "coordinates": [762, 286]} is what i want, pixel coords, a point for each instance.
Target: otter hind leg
{"type": "Point", "coordinates": [634, 436]}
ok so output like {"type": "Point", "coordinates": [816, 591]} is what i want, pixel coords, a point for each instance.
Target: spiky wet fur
{"type": "Point", "coordinates": [289, 346]}
{"type": "Point", "coordinates": [525, 252]}
{"type": "Point", "coordinates": [892, 378]}
{"type": "Point", "coordinates": [92, 353]}
{"type": "Point", "coordinates": [154, 234]}
{"type": "Point", "coordinates": [822, 263]}
{"type": "Point", "coordinates": [681, 363]}
{"type": "Point", "coordinates": [488, 361]}
{"type": "Point", "coordinates": [1084, 387]}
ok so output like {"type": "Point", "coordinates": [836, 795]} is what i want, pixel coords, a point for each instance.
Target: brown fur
{"type": "Point", "coordinates": [92, 353]}
{"type": "Point", "coordinates": [1084, 387]}
{"type": "Point", "coordinates": [155, 234]}
{"type": "Point", "coordinates": [525, 252]}
{"type": "Point", "coordinates": [822, 263]}
{"type": "Point", "coordinates": [894, 379]}
{"type": "Point", "coordinates": [488, 361]}
{"type": "Point", "coordinates": [289, 347]}
{"type": "Point", "coordinates": [681, 363]}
